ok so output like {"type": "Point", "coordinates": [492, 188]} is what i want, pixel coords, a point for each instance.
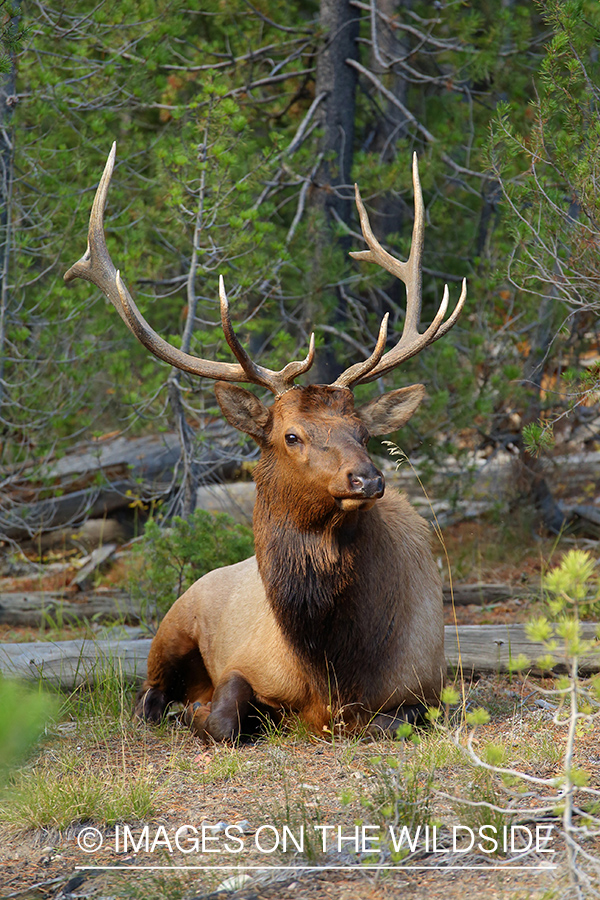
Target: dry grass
{"type": "Point", "coordinates": [97, 768]}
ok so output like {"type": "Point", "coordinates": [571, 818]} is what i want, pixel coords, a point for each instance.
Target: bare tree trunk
{"type": "Point", "coordinates": [339, 22]}
{"type": "Point", "coordinates": [7, 104]}
{"type": "Point", "coordinates": [387, 45]}
{"type": "Point", "coordinates": [332, 201]}
{"type": "Point", "coordinates": [530, 476]}
{"type": "Point", "coordinates": [190, 475]}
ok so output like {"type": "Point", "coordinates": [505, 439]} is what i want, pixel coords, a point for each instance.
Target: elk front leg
{"type": "Point", "coordinates": [176, 672]}
{"type": "Point", "coordinates": [222, 718]}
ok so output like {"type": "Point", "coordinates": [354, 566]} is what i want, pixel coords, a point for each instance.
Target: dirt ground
{"type": "Point", "coordinates": [321, 884]}
{"type": "Point", "coordinates": [286, 780]}
{"type": "Point", "coordinates": [297, 782]}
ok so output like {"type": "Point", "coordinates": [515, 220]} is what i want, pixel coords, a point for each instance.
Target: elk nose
{"type": "Point", "coordinates": [367, 486]}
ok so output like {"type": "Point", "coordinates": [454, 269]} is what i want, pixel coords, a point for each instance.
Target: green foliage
{"type": "Point", "coordinates": [74, 791]}
{"type": "Point", "coordinates": [11, 35]}
{"type": "Point", "coordinates": [169, 560]}
{"type": "Point", "coordinates": [573, 588]}
{"type": "Point", "coordinates": [574, 585]}
{"type": "Point", "coordinates": [400, 795]}
{"type": "Point", "coordinates": [572, 592]}
{"type": "Point", "coordinates": [548, 174]}
{"type": "Point", "coordinates": [213, 179]}
{"type": "Point", "coordinates": [23, 715]}
{"type": "Point", "coordinates": [478, 717]}
{"type": "Point", "coordinates": [537, 438]}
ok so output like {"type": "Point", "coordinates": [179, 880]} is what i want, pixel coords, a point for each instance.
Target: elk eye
{"type": "Point", "coordinates": [292, 438]}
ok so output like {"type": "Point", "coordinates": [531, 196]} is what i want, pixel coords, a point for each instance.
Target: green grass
{"type": "Point", "coordinates": [73, 789]}
{"type": "Point", "coordinates": [225, 764]}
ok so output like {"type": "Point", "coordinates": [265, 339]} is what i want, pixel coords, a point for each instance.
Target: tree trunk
{"type": "Point", "coordinates": [185, 503]}
{"type": "Point", "coordinates": [391, 125]}
{"type": "Point", "coordinates": [530, 477]}
{"type": "Point", "coordinates": [332, 200]}
{"type": "Point", "coordinates": [388, 44]}
{"type": "Point", "coordinates": [339, 22]}
{"type": "Point", "coordinates": [8, 91]}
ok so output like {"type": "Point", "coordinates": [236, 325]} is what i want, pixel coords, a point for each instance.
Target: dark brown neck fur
{"type": "Point", "coordinates": [329, 597]}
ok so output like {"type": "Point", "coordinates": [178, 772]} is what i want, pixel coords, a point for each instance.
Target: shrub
{"type": "Point", "coordinates": [168, 560]}
{"type": "Point", "coordinates": [23, 716]}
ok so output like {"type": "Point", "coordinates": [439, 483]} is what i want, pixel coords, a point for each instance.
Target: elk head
{"type": "Point", "coordinates": [311, 436]}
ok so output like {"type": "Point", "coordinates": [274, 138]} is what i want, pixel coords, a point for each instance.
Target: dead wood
{"type": "Point", "coordinates": [20, 521]}
{"type": "Point", "coordinates": [100, 478]}
{"type": "Point", "coordinates": [67, 664]}
{"type": "Point", "coordinates": [482, 594]}
{"type": "Point", "coordinates": [98, 558]}
{"type": "Point", "coordinates": [31, 608]}
{"type": "Point", "coordinates": [492, 648]}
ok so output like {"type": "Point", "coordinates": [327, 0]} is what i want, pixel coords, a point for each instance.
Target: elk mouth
{"type": "Point", "coordinates": [363, 493]}
{"type": "Point", "coordinates": [348, 504]}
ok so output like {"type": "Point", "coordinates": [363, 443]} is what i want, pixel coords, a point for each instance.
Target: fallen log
{"type": "Point", "coordinates": [482, 594]}
{"type": "Point", "coordinates": [67, 664]}
{"type": "Point", "coordinates": [99, 478]}
{"type": "Point", "coordinates": [98, 557]}
{"type": "Point", "coordinates": [21, 521]}
{"type": "Point", "coordinates": [493, 648]}
{"type": "Point", "coordinates": [31, 609]}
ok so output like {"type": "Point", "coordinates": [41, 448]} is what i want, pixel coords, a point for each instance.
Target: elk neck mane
{"type": "Point", "coordinates": [316, 579]}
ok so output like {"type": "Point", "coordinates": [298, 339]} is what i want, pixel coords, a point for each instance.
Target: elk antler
{"type": "Point", "coordinates": [411, 342]}
{"type": "Point", "coordinates": [96, 266]}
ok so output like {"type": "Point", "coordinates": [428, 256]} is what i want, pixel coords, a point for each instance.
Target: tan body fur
{"type": "Point", "coordinates": [227, 617]}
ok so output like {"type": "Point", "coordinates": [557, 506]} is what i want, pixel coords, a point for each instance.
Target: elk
{"type": "Point", "coordinates": [338, 617]}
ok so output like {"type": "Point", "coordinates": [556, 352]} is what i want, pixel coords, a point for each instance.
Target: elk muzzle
{"type": "Point", "coordinates": [358, 487]}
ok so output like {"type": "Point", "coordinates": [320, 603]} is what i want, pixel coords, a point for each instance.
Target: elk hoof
{"type": "Point", "coordinates": [150, 705]}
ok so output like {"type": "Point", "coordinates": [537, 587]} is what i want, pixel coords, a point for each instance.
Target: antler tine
{"type": "Point", "coordinates": [277, 382]}
{"type": "Point", "coordinates": [97, 267]}
{"type": "Point", "coordinates": [410, 273]}
{"type": "Point", "coordinates": [354, 374]}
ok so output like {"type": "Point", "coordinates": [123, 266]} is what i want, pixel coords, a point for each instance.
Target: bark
{"type": "Point", "coordinates": [391, 125]}
{"type": "Point", "coordinates": [185, 502]}
{"type": "Point", "coordinates": [31, 609]}
{"type": "Point", "coordinates": [66, 664]}
{"type": "Point", "coordinates": [8, 92]}
{"type": "Point", "coordinates": [339, 22]}
{"type": "Point", "coordinates": [332, 201]}
{"type": "Point", "coordinates": [530, 473]}
{"type": "Point", "coordinates": [490, 648]}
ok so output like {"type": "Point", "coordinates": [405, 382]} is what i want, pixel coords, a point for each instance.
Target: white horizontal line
{"type": "Point", "coordinates": [242, 868]}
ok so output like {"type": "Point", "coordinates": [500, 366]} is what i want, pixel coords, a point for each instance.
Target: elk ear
{"type": "Point", "coordinates": [243, 410]}
{"type": "Point", "coordinates": [391, 411]}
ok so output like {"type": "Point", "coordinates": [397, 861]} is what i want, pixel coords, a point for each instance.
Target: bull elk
{"type": "Point", "coordinates": [339, 614]}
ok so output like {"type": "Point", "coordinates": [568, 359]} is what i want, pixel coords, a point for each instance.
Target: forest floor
{"type": "Point", "coordinates": [97, 770]}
